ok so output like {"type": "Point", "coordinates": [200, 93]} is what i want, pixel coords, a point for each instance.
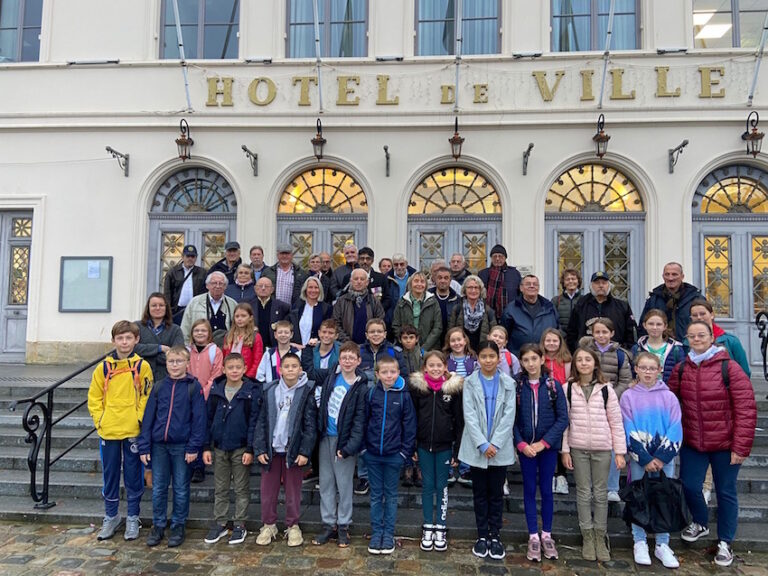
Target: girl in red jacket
{"type": "Point", "coordinates": [719, 419]}
{"type": "Point", "coordinates": [557, 360]}
{"type": "Point", "coordinates": [244, 338]}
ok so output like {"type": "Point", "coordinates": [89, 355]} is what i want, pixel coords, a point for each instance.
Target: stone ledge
{"type": "Point", "coordinates": [65, 352]}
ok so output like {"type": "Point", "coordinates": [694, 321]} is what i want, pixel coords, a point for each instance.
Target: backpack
{"type": "Point", "coordinates": [190, 387]}
{"type": "Point", "coordinates": [723, 371]}
{"type": "Point", "coordinates": [135, 369]}
{"type": "Point", "coordinates": [604, 391]}
{"type": "Point", "coordinates": [550, 383]}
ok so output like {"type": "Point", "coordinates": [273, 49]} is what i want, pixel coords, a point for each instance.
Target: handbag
{"type": "Point", "coordinates": [656, 504]}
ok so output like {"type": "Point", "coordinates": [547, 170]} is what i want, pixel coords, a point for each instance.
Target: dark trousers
{"type": "Point", "coordinates": [117, 455]}
{"type": "Point", "coordinates": [538, 472]}
{"type": "Point", "coordinates": [169, 468]}
{"type": "Point", "coordinates": [271, 479]}
{"type": "Point", "coordinates": [488, 496]}
{"type": "Point", "coordinates": [384, 476]}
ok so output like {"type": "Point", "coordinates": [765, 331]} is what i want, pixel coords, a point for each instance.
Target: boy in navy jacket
{"type": "Point", "coordinates": [172, 435]}
{"type": "Point", "coordinates": [233, 407]}
{"type": "Point", "coordinates": [390, 440]}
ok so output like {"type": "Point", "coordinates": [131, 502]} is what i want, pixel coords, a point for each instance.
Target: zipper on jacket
{"type": "Point", "coordinates": [170, 411]}
{"type": "Point", "coordinates": [383, 424]}
{"type": "Point", "coordinates": [432, 431]}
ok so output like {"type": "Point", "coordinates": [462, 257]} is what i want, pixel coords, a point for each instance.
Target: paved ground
{"type": "Point", "coordinates": [44, 549]}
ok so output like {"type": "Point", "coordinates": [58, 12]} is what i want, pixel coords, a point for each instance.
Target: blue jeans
{"type": "Point", "coordinates": [434, 471]}
{"type": "Point", "coordinates": [384, 478]}
{"type": "Point", "coordinates": [168, 465]}
{"type": "Point", "coordinates": [693, 468]}
{"type": "Point", "coordinates": [613, 475]}
{"type": "Point", "coordinates": [636, 472]}
{"type": "Point", "coordinates": [117, 454]}
{"type": "Point", "coordinates": [538, 472]}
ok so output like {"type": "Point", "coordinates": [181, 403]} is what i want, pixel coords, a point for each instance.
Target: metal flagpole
{"type": "Point", "coordinates": [759, 60]}
{"type": "Point", "coordinates": [607, 52]}
{"type": "Point", "coordinates": [459, 39]}
{"type": "Point", "coordinates": [181, 53]}
{"type": "Point", "coordinates": [317, 54]}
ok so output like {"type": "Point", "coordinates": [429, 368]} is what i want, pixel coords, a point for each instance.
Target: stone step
{"type": "Point", "coordinates": [83, 421]}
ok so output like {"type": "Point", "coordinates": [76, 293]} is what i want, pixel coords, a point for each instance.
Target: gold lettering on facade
{"type": "Point", "coordinates": [305, 81]}
{"type": "Point", "coordinates": [617, 77]}
{"type": "Point", "coordinates": [448, 94]}
{"type": "Point", "coordinates": [345, 90]}
{"type": "Point", "coordinates": [481, 94]}
{"type": "Point", "coordinates": [383, 98]}
{"type": "Point", "coordinates": [547, 93]}
{"type": "Point", "coordinates": [586, 85]}
{"type": "Point", "coordinates": [214, 91]}
{"type": "Point", "coordinates": [707, 81]}
{"type": "Point", "coordinates": [253, 91]}
{"type": "Point", "coordinates": [661, 84]}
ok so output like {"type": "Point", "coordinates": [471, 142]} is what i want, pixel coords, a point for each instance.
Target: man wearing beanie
{"type": "Point", "coordinates": [502, 282]}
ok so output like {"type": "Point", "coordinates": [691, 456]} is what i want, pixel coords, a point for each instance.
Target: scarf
{"type": "Point", "coordinates": [359, 296]}
{"type": "Point", "coordinates": [706, 355]}
{"type": "Point", "coordinates": [497, 291]}
{"type": "Point", "coordinates": [672, 299]}
{"type": "Point", "coordinates": [434, 385]}
{"type": "Point", "coordinates": [472, 319]}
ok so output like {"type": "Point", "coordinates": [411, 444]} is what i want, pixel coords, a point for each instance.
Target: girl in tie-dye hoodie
{"type": "Point", "coordinates": [652, 422]}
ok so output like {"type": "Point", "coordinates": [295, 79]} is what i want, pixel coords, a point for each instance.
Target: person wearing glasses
{"type": "Point", "coordinates": [213, 306]}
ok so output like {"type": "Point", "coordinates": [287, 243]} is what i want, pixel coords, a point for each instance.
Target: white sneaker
{"type": "Point", "coordinates": [642, 556]}
{"type": "Point", "coordinates": [561, 485]}
{"type": "Point", "coordinates": [724, 556]}
{"type": "Point", "coordinates": [707, 496]}
{"type": "Point", "coordinates": [664, 553]}
{"type": "Point", "coordinates": [506, 487]}
{"type": "Point", "coordinates": [613, 496]}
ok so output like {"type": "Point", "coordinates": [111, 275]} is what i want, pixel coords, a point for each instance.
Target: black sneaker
{"type": "Point", "coordinates": [387, 545]}
{"type": "Point", "coordinates": [198, 476]}
{"type": "Point", "coordinates": [496, 549]}
{"type": "Point", "coordinates": [177, 536]}
{"type": "Point", "coordinates": [408, 477]}
{"type": "Point", "coordinates": [693, 532]}
{"type": "Point", "coordinates": [344, 540]}
{"type": "Point", "coordinates": [480, 549]}
{"type": "Point", "coordinates": [329, 533]}
{"type": "Point", "coordinates": [362, 486]}
{"type": "Point", "coordinates": [238, 534]}
{"type": "Point", "coordinates": [215, 533]}
{"type": "Point", "coordinates": [155, 536]}
{"type": "Point", "coordinates": [418, 481]}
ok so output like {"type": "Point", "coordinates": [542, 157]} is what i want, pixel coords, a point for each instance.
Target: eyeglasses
{"type": "Point", "coordinates": [647, 368]}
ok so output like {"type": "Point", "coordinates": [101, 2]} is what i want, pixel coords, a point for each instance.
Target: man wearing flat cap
{"type": "Point", "coordinates": [228, 265]}
{"type": "Point", "coordinates": [599, 303]}
{"type": "Point", "coordinates": [183, 282]}
{"type": "Point", "coordinates": [502, 282]}
{"type": "Point", "coordinates": [287, 277]}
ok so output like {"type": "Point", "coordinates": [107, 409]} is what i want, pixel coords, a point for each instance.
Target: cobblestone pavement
{"type": "Point", "coordinates": [44, 549]}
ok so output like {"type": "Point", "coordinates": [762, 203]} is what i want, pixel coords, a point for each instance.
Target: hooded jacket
{"type": "Point", "coordinates": [350, 423]}
{"type": "Point", "coordinates": [302, 422]}
{"type": "Point", "coordinates": [430, 320]}
{"type": "Point", "coordinates": [673, 354]}
{"type": "Point", "coordinates": [619, 376]}
{"type": "Point", "coordinates": [231, 424]}
{"type": "Point", "coordinates": [118, 408]}
{"type": "Point", "coordinates": [592, 425]}
{"type": "Point", "coordinates": [715, 417]}
{"type": "Point", "coordinates": [522, 327]}
{"type": "Point", "coordinates": [652, 423]}
{"type": "Point", "coordinates": [310, 362]}
{"type": "Point", "coordinates": [542, 420]}
{"type": "Point", "coordinates": [682, 313]}
{"type": "Point", "coordinates": [587, 307]}
{"type": "Point", "coordinates": [245, 293]}
{"type": "Point", "coordinates": [439, 414]}
{"type": "Point", "coordinates": [731, 344]}
{"type": "Point", "coordinates": [390, 417]}
{"type": "Point", "coordinates": [175, 414]}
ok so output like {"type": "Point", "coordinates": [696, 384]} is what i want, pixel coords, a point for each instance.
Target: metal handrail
{"type": "Point", "coordinates": [761, 321]}
{"type": "Point", "coordinates": [32, 424]}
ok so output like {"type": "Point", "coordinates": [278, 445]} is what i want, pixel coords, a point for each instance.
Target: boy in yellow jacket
{"type": "Point", "coordinates": [119, 389]}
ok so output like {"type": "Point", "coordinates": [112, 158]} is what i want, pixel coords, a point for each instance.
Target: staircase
{"type": "Point", "coordinates": [75, 481]}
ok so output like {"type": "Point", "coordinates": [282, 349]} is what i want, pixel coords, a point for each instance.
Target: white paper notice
{"type": "Point", "coordinates": [94, 269]}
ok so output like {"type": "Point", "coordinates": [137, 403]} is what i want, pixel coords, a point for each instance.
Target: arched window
{"type": "Point", "coordinates": [595, 221]}
{"type": "Point", "coordinates": [195, 205]}
{"type": "Point", "coordinates": [454, 209]}
{"type": "Point", "coordinates": [322, 210]}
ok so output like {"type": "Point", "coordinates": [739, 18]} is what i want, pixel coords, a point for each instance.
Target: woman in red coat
{"type": "Point", "coordinates": [719, 418]}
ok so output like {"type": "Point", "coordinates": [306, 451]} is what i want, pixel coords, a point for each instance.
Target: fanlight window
{"type": "Point", "coordinates": [735, 189]}
{"type": "Point", "coordinates": [454, 191]}
{"type": "Point", "coordinates": [323, 191]}
{"type": "Point", "coordinates": [195, 190]}
{"type": "Point", "coordinates": [593, 188]}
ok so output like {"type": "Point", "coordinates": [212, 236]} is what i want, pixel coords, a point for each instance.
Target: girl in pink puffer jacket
{"type": "Point", "coordinates": [595, 428]}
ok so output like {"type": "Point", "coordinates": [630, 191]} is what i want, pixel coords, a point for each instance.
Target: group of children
{"type": "Point", "coordinates": [380, 408]}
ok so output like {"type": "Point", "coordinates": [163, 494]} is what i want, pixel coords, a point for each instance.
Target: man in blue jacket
{"type": "Point", "coordinates": [172, 434]}
{"type": "Point", "coordinates": [528, 315]}
{"type": "Point", "coordinates": [674, 298]}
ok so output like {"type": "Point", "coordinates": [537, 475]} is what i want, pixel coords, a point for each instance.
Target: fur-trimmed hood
{"type": "Point", "coordinates": [452, 386]}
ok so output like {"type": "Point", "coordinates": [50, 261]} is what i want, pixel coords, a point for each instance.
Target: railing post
{"type": "Point", "coordinates": [44, 504]}
{"type": "Point", "coordinates": [761, 321]}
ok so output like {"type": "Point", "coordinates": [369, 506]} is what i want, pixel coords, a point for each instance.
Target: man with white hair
{"type": "Point", "coordinates": [341, 273]}
{"type": "Point", "coordinates": [355, 307]}
{"type": "Point", "coordinates": [600, 304]}
{"type": "Point", "coordinates": [213, 306]}
{"type": "Point", "coordinates": [458, 267]}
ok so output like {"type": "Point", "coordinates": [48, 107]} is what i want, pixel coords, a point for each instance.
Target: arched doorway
{"type": "Point", "coordinates": [453, 210]}
{"type": "Point", "coordinates": [595, 220]}
{"type": "Point", "coordinates": [730, 248]}
{"type": "Point", "coordinates": [194, 205]}
{"type": "Point", "coordinates": [322, 210]}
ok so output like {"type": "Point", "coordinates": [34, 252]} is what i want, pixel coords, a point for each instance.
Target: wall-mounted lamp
{"type": "Point", "coordinates": [456, 141]}
{"type": "Point", "coordinates": [674, 154]}
{"type": "Point", "coordinates": [527, 155]}
{"type": "Point", "coordinates": [754, 139]}
{"type": "Point", "coordinates": [601, 138]}
{"type": "Point", "coordinates": [386, 156]}
{"type": "Point", "coordinates": [318, 141]}
{"type": "Point", "coordinates": [253, 158]}
{"type": "Point", "coordinates": [122, 159]}
{"type": "Point", "coordinates": [184, 142]}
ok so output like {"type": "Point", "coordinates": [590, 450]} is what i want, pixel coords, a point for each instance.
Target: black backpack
{"type": "Point", "coordinates": [550, 384]}
{"type": "Point", "coordinates": [723, 371]}
{"type": "Point", "coordinates": [604, 391]}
